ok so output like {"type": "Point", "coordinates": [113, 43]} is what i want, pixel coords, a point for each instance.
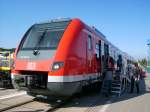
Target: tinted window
{"type": "Point", "coordinates": [44, 36]}
{"type": "Point", "coordinates": [97, 50]}
{"type": "Point", "coordinates": [42, 39]}
{"type": "Point", "coordinates": [89, 42]}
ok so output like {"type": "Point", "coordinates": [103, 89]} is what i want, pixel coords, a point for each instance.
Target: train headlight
{"type": "Point", "coordinates": [57, 65]}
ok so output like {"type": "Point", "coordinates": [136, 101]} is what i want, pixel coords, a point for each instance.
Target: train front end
{"type": "Point", "coordinates": [36, 63]}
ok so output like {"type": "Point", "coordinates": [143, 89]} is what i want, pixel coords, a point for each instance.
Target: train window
{"type": "Point", "coordinates": [44, 36]}
{"type": "Point", "coordinates": [97, 50]}
{"type": "Point", "coordinates": [97, 46]}
{"type": "Point", "coordinates": [89, 42]}
{"type": "Point", "coordinates": [43, 39]}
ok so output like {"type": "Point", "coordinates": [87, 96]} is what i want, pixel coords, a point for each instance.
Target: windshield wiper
{"type": "Point", "coordinates": [36, 51]}
{"type": "Point", "coordinates": [41, 38]}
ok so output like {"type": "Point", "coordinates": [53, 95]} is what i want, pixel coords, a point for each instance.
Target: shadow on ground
{"type": "Point", "coordinates": [90, 99]}
{"type": "Point", "coordinates": [93, 100]}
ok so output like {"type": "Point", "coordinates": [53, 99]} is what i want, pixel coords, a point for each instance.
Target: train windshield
{"type": "Point", "coordinates": [44, 36]}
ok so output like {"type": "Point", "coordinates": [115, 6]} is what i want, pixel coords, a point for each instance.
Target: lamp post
{"type": "Point", "coordinates": [148, 58]}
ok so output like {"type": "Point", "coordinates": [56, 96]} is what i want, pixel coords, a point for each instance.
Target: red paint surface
{"type": "Point", "coordinates": [72, 50]}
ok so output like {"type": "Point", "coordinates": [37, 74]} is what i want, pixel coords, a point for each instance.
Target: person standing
{"type": "Point", "coordinates": [119, 64]}
{"type": "Point", "coordinates": [135, 80]}
{"type": "Point", "coordinates": [132, 81]}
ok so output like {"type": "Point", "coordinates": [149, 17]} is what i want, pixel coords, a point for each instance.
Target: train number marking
{"type": "Point", "coordinates": [31, 66]}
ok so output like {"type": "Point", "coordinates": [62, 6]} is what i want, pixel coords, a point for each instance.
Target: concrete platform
{"type": "Point", "coordinates": [8, 103]}
{"type": "Point", "coordinates": [4, 91]}
{"type": "Point", "coordinates": [12, 97]}
{"type": "Point", "coordinates": [9, 93]}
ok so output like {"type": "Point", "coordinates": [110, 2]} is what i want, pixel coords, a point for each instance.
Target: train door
{"type": "Point", "coordinates": [89, 53]}
{"type": "Point", "coordinates": [100, 56]}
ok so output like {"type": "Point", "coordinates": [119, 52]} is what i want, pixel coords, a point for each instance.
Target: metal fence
{"type": "Point", "coordinates": [6, 60]}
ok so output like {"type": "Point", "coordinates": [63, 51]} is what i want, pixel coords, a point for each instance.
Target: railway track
{"type": "Point", "coordinates": [37, 105]}
{"type": "Point", "coordinates": [26, 103]}
{"type": "Point", "coordinates": [40, 104]}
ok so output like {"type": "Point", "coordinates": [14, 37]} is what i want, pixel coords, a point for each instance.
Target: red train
{"type": "Point", "coordinates": [61, 57]}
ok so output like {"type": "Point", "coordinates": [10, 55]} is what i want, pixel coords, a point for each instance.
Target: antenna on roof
{"type": "Point", "coordinates": [97, 31]}
{"type": "Point", "coordinates": [60, 19]}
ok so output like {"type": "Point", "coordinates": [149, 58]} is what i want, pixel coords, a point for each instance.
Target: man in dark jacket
{"type": "Point", "coordinates": [135, 80]}
{"type": "Point", "coordinates": [119, 63]}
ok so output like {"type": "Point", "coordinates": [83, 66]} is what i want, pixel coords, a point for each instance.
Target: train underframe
{"type": "Point", "coordinates": [37, 83]}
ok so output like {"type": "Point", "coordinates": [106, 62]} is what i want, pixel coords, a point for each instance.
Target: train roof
{"type": "Point", "coordinates": [93, 29]}
{"type": "Point", "coordinates": [103, 37]}
{"type": "Point", "coordinates": [55, 20]}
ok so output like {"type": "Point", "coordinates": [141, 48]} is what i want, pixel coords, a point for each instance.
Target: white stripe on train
{"type": "Point", "coordinates": [73, 78]}
{"type": "Point", "coordinates": [70, 78]}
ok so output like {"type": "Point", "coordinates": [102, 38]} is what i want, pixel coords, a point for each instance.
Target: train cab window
{"type": "Point", "coordinates": [97, 50]}
{"type": "Point", "coordinates": [43, 39]}
{"type": "Point", "coordinates": [89, 42]}
{"type": "Point", "coordinates": [44, 36]}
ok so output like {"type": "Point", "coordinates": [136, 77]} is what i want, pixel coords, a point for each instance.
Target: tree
{"type": "Point", "coordinates": [143, 62]}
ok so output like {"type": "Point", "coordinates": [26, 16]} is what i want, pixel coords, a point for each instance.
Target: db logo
{"type": "Point", "coordinates": [31, 66]}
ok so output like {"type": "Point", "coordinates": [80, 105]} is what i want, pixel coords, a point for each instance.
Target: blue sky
{"type": "Point", "coordinates": [126, 23]}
